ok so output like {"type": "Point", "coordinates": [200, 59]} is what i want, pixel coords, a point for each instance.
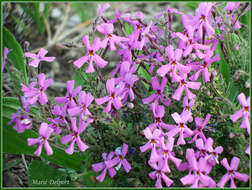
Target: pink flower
{"type": "Point", "coordinates": [61, 112]}
{"type": "Point", "coordinates": [199, 128]}
{"type": "Point", "coordinates": [39, 57]}
{"type": "Point", "coordinates": [174, 65]}
{"type": "Point", "coordinates": [244, 112]}
{"type": "Point", "coordinates": [32, 94]}
{"type": "Point", "coordinates": [181, 127]}
{"type": "Point", "coordinates": [232, 173]}
{"type": "Point", "coordinates": [200, 170]}
{"type": "Point", "coordinates": [91, 55]}
{"type": "Point", "coordinates": [158, 95]}
{"type": "Point", "coordinates": [185, 85]}
{"type": "Point", "coordinates": [75, 137]}
{"type": "Point", "coordinates": [68, 100]}
{"type": "Point", "coordinates": [159, 175]}
{"type": "Point", "coordinates": [55, 126]}
{"type": "Point", "coordinates": [45, 133]}
{"type": "Point", "coordinates": [22, 122]}
{"type": "Point", "coordinates": [102, 8]}
{"type": "Point", "coordinates": [5, 54]}
{"type": "Point", "coordinates": [107, 165]}
{"type": "Point", "coordinates": [121, 153]}
{"type": "Point", "coordinates": [188, 104]}
{"type": "Point", "coordinates": [113, 98]}
{"type": "Point", "coordinates": [107, 29]}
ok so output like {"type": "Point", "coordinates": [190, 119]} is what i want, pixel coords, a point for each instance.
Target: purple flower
{"type": "Point", "coordinates": [61, 112]}
{"type": "Point", "coordinates": [200, 170]}
{"type": "Point", "coordinates": [113, 99]}
{"type": "Point", "coordinates": [32, 94]}
{"type": "Point", "coordinates": [75, 137]}
{"type": "Point", "coordinates": [158, 112]}
{"type": "Point", "coordinates": [159, 175]}
{"type": "Point", "coordinates": [230, 7]}
{"type": "Point", "coordinates": [25, 104]}
{"type": "Point", "coordinates": [181, 127]}
{"type": "Point", "coordinates": [121, 153]}
{"type": "Point", "coordinates": [71, 93]}
{"type": "Point", "coordinates": [185, 85]}
{"type": "Point", "coordinates": [166, 153]}
{"type": "Point", "coordinates": [54, 125]}
{"type": "Point", "coordinates": [188, 106]}
{"type": "Point", "coordinates": [191, 43]}
{"type": "Point", "coordinates": [174, 65]}
{"type": "Point", "coordinates": [91, 55]}
{"type": "Point", "coordinates": [85, 99]}
{"type": "Point", "coordinates": [158, 95]}
{"type": "Point", "coordinates": [203, 68]}
{"type": "Point", "coordinates": [244, 112]}
{"type": "Point", "coordinates": [107, 29]}
{"type": "Point", "coordinates": [212, 159]}
{"type": "Point", "coordinates": [203, 147]}
{"type": "Point", "coordinates": [102, 8]}
{"type": "Point", "coordinates": [22, 122]}
{"type": "Point", "coordinates": [5, 54]}
{"type": "Point", "coordinates": [154, 141]}
{"type": "Point", "coordinates": [126, 75]}
{"type": "Point", "coordinates": [199, 128]}
{"type": "Point", "coordinates": [39, 57]}
{"type": "Point", "coordinates": [45, 133]}
{"type": "Point", "coordinates": [107, 165]}
{"type": "Point", "coordinates": [232, 173]}
{"type": "Point", "coordinates": [202, 19]}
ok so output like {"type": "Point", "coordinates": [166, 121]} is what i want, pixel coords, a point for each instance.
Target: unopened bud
{"type": "Point", "coordinates": [26, 45]}
{"type": "Point", "coordinates": [247, 84]}
{"type": "Point", "coordinates": [236, 76]}
{"type": "Point", "coordinates": [231, 135]}
{"type": "Point", "coordinates": [130, 105]}
{"type": "Point", "coordinates": [207, 92]}
{"type": "Point", "coordinates": [237, 47]}
{"type": "Point", "coordinates": [213, 74]}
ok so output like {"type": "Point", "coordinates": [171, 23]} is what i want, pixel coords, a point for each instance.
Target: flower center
{"type": "Point", "coordinates": [158, 120]}
{"type": "Point", "coordinates": [181, 125]}
{"type": "Point", "coordinates": [214, 154]}
{"type": "Point", "coordinates": [84, 107]}
{"type": "Point", "coordinates": [230, 172]}
{"type": "Point", "coordinates": [183, 82]}
{"type": "Point", "coordinates": [187, 108]}
{"type": "Point", "coordinates": [43, 138]}
{"type": "Point", "coordinates": [112, 96]}
{"type": "Point", "coordinates": [75, 135]}
{"type": "Point", "coordinates": [61, 117]}
{"type": "Point", "coordinates": [159, 92]}
{"type": "Point", "coordinates": [109, 36]}
{"type": "Point", "coordinates": [120, 157]}
{"type": "Point", "coordinates": [203, 18]}
{"type": "Point", "coordinates": [204, 65]}
{"type": "Point", "coordinates": [54, 125]}
{"type": "Point", "coordinates": [152, 141]}
{"type": "Point", "coordinates": [41, 90]}
{"type": "Point", "coordinates": [229, 13]}
{"type": "Point", "coordinates": [190, 42]}
{"type": "Point", "coordinates": [158, 172]}
{"type": "Point", "coordinates": [198, 130]}
{"type": "Point", "coordinates": [173, 63]}
{"type": "Point", "coordinates": [197, 173]}
{"type": "Point", "coordinates": [203, 152]}
{"type": "Point", "coordinates": [166, 152]}
{"type": "Point", "coordinates": [91, 52]}
{"type": "Point", "coordinates": [246, 109]}
{"type": "Point", "coordinates": [138, 27]}
{"type": "Point", "coordinates": [69, 97]}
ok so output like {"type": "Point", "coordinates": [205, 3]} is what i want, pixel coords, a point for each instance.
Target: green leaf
{"type": "Point", "coordinates": [84, 15]}
{"type": "Point", "coordinates": [16, 56]}
{"type": "Point", "coordinates": [16, 143]}
{"type": "Point", "coordinates": [143, 73]}
{"type": "Point", "coordinates": [128, 29]}
{"type": "Point", "coordinates": [90, 181]}
{"type": "Point", "coordinates": [224, 69]}
{"type": "Point", "coordinates": [42, 175]}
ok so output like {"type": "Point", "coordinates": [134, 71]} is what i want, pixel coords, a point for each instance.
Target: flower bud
{"type": "Point", "coordinates": [130, 105]}
{"type": "Point", "coordinates": [247, 84]}
{"type": "Point", "coordinates": [236, 76]}
{"type": "Point", "coordinates": [237, 47]}
{"type": "Point", "coordinates": [207, 92]}
{"type": "Point", "coordinates": [231, 135]}
{"type": "Point", "coordinates": [213, 74]}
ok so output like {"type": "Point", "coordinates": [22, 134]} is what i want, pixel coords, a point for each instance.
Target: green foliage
{"type": "Point", "coordinates": [16, 56]}
{"type": "Point", "coordinates": [128, 29]}
{"type": "Point", "coordinates": [85, 10]}
{"type": "Point", "coordinates": [37, 16]}
{"type": "Point", "coordinates": [43, 175]}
